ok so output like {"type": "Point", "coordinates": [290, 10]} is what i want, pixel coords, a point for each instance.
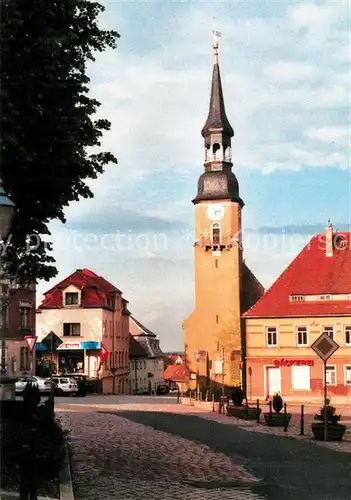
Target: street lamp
{"type": "Point", "coordinates": [7, 211]}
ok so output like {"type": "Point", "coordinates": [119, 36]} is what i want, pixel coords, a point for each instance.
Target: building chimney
{"type": "Point", "coordinates": [329, 240]}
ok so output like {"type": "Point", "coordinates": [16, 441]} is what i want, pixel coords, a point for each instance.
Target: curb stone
{"type": "Point", "coordinates": [66, 487]}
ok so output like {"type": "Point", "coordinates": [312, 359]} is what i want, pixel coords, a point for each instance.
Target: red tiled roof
{"type": "Point", "coordinates": [93, 290]}
{"type": "Point", "coordinates": [174, 357]}
{"type": "Point", "coordinates": [177, 373]}
{"type": "Point", "coordinates": [310, 273]}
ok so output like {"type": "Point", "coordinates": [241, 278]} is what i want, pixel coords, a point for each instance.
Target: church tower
{"type": "Point", "coordinates": [213, 333]}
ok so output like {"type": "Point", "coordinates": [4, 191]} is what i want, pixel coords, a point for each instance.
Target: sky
{"type": "Point", "coordinates": [285, 70]}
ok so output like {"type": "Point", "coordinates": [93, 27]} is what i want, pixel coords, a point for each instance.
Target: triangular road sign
{"type": "Point", "coordinates": [30, 340]}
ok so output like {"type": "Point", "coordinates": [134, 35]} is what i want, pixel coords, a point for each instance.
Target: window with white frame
{"type": "Point", "coordinates": [331, 375]}
{"type": "Point", "coordinates": [301, 334]}
{"type": "Point", "coordinates": [71, 298]}
{"type": "Point", "coordinates": [271, 336]}
{"type": "Point", "coordinates": [348, 335]}
{"type": "Point", "coordinates": [348, 375]}
{"type": "Point", "coordinates": [329, 330]}
{"type": "Point", "coordinates": [300, 378]}
{"type": "Point", "coordinates": [71, 329]}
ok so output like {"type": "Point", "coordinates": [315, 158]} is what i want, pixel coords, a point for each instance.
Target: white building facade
{"type": "Point", "coordinates": [146, 371]}
{"type": "Point", "coordinates": [89, 316]}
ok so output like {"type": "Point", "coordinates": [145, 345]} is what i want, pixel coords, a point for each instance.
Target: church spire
{"type": "Point", "coordinates": [218, 182]}
{"type": "Point", "coordinates": [217, 120]}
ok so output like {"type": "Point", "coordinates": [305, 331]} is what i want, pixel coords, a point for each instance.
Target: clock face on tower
{"type": "Point", "coordinates": [215, 211]}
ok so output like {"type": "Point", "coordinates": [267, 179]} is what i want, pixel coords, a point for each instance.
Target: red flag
{"type": "Point", "coordinates": [31, 340]}
{"type": "Point", "coordinates": [103, 353]}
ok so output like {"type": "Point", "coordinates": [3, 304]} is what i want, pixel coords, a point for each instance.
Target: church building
{"type": "Point", "coordinates": [224, 286]}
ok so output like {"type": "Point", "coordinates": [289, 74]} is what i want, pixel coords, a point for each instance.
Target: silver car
{"type": "Point", "coordinates": [43, 384]}
{"type": "Point", "coordinates": [64, 385]}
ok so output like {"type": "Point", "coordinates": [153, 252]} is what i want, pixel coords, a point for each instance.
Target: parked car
{"type": "Point", "coordinates": [43, 384]}
{"type": "Point", "coordinates": [85, 385]}
{"type": "Point", "coordinates": [64, 386]}
{"type": "Point", "coordinates": [162, 389]}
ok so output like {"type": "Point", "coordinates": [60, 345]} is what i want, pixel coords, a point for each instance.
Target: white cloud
{"type": "Point", "coordinates": [329, 134]}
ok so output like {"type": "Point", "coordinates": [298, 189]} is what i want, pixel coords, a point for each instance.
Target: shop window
{"type": "Point", "coordinates": [331, 375]}
{"type": "Point", "coordinates": [348, 335]}
{"type": "Point", "coordinates": [347, 375]}
{"type": "Point", "coordinates": [271, 336]}
{"type": "Point", "coordinates": [24, 359]}
{"type": "Point", "coordinates": [302, 335]}
{"type": "Point", "coordinates": [300, 377]}
{"type": "Point", "coordinates": [329, 330]}
{"type": "Point", "coordinates": [71, 298]}
{"type": "Point", "coordinates": [71, 329]}
{"type": "Point", "coordinates": [25, 314]}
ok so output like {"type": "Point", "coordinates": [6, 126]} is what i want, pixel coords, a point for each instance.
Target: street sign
{"type": "Point", "coordinates": [30, 340]}
{"type": "Point", "coordinates": [324, 346]}
{"type": "Point", "coordinates": [51, 342]}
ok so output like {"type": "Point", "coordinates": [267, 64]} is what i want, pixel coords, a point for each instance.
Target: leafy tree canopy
{"type": "Point", "coordinates": [47, 118]}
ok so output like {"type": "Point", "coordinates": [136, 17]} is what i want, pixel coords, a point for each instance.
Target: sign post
{"type": "Point", "coordinates": [31, 341]}
{"type": "Point", "coordinates": [324, 347]}
{"type": "Point", "coordinates": [197, 357]}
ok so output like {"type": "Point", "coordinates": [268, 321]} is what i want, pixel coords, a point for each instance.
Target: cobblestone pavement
{"type": "Point", "coordinates": [115, 458]}
{"type": "Point", "coordinates": [290, 469]}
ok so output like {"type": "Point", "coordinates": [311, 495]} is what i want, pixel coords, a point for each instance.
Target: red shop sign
{"type": "Point", "coordinates": [293, 362]}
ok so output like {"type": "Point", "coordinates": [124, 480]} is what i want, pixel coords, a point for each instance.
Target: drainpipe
{"type": "Point", "coordinates": [136, 376]}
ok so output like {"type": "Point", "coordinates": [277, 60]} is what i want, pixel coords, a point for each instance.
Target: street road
{"type": "Point", "coordinates": [130, 448]}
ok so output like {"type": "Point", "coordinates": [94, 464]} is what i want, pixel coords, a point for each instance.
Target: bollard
{"type": "Point", "coordinates": [213, 401]}
{"type": "Point", "coordinates": [285, 419]}
{"type": "Point", "coordinates": [178, 396]}
{"type": "Point", "coordinates": [258, 411]}
{"type": "Point", "coordinates": [302, 421]}
{"type": "Point", "coordinates": [270, 410]}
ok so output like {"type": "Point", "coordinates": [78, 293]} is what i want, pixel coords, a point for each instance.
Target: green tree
{"type": "Point", "coordinates": [50, 135]}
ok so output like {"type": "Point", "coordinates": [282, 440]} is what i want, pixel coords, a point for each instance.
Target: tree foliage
{"type": "Point", "coordinates": [50, 135]}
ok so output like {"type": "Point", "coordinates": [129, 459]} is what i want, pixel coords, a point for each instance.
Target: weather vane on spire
{"type": "Point", "coordinates": [216, 36]}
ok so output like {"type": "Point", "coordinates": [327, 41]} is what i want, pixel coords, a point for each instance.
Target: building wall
{"type": "Point", "coordinates": [139, 368]}
{"type": "Point", "coordinates": [288, 354]}
{"type": "Point", "coordinates": [216, 317]}
{"type": "Point", "coordinates": [99, 325]}
{"type": "Point", "coordinates": [19, 359]}
{"type": "Point", "coordinates": [138, 375]}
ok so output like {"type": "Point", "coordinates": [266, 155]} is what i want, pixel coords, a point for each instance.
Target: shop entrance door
{"type": "Point", "coordinates": [273, 380]}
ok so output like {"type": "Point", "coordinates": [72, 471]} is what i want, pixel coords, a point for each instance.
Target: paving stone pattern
{"type": "Point", "coordinates": [115, 458]}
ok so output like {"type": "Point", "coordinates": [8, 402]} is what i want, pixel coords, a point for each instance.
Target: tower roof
{"type": "Point", "coordinates": [217, 120]}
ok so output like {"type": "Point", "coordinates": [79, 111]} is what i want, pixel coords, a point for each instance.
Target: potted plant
{"type": "Point", "coordinates": [335, 431]}
{"type": "Point", "coordinates": [240, 408]}
{"type": "Point", "coordinates": [277, 419]}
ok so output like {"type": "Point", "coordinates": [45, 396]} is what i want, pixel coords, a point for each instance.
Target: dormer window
{"type": "Point", "coordinates": [71, 298]}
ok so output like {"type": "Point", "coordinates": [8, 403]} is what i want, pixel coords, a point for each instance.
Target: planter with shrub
{"type": "Point", "coordinates": [32, 447]}
{"type": "Point", "coordinates": [276, 418]}
{"type": "Point", "coordinates": [240, 408]}
{"type": "Point", "coordinates": [335, 431]}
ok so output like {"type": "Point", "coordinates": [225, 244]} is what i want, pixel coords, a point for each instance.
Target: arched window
{"type": "Point", "coordinates": [215, 148]}
{"type": "Point", "coordinates": [216, 234]}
